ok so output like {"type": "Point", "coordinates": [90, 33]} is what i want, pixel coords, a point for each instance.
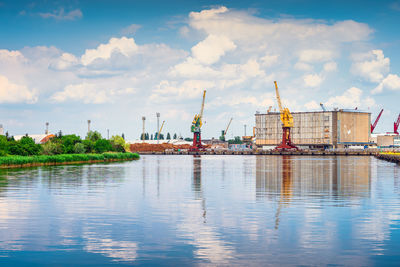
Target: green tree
{"type": "Point", "coordinates": [118, 143]}
{"type": "Point", "coordinates": [93, 136]}
{"type": "Point", "coordinates": [79, 148]}
{"type": "Point", "coordinates": [151, 137]}
{"type": "Point", "coordinates": [168, 136]}
{"type": "Point", "coordinates": [175, 136]}
{"type": "Point", "coordinates": [102, 145]}
{"type": "Point", "coordinates": [52, 148]}
{"type": "Point", "coordinates": [161, 136]}
{"type": "Point", "coordinates": [24, 147]}
{"type": "Point", "coordinates": [237, 140]}
{"type": "Point", "coordinates": [89, 145]}
{"type": "Point", "coordinates": [69, 141]}
{"type": "Point", "coordinates": [3, 145]}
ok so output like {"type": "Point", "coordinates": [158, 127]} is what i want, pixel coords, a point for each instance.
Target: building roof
{"type": "Point", "coordinates": [38, 138]}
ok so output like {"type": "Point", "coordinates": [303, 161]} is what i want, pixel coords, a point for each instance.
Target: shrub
{"type": "Point", "coordinates": [118, 143]}
{"type": "Point", "coordinates": [102, 145]}
{"type": "Point", "coordinates": [79, 148]}
{"type": "Point", "coordinates": [93, 136]}
{"type": "Point", "coordinates": [52, 148]}
{"type": "Point", "coordinates": [89, 145]}
{"type": "Point", "coordinates": [69, 142]}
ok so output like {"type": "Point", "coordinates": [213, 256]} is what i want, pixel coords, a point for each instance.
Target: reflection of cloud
{"type": "Point", "coordinates": [119, 250]}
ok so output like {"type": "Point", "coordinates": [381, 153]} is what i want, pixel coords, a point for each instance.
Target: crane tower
{"type": "Point", "coordinates": [196, 127]}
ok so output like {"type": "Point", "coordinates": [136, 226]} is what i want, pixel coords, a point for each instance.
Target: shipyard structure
{"type": "Point", "coordinates": [323, 129]}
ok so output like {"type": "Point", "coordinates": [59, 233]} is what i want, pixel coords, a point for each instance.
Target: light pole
{"type": "Point", "coordinates": [108, 134]}
{"type": "Point", "coordinates": [88, 125]}
{"type": "Point", "coordinates": [143, 119]}
{"type": "Point", "coordinates": [245, 130]}
{"type": "Point", "coordinates": [158, 126]}
{"type": "Point", "coordinates": [47, 128]}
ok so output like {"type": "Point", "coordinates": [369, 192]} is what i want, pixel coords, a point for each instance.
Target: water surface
{"type": "Point", "coordinates": [207, 210]}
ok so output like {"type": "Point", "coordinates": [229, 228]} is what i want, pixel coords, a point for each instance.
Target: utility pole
{"type": "Point", "coordinates": [158, 126]}
{"type": "Point", "coordinates": [108, 134]}
{"type": "Point", "coordinates": [88, 125]}
{"type": "Point", "coordinates": [143, 119]}
{"type": "Point", "coordinates": [245, 130]}
{"type": "Point", "coordinates": [47, 128]}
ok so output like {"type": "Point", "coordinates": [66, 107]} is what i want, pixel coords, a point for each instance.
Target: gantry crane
{"type": "Point", "coordinates": [287, 123]}
{"type": "Point", "coordinates": [396, 125]}
{"type": "Point", "coordinates": [223, 134]}
{"type": "Point", "coordinates": [376, 121]}
{"type": "Point", "coordinates": [196, 128]}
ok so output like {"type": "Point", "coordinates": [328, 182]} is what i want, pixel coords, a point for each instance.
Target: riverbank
{"type": "Point", "coordinates": [63, 159]}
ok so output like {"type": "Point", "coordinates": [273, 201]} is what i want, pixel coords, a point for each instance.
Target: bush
{"type": "Point", "coordinates": [102, 145]}
{"type": "Point", "coordinates": [89, 146]}
{"type": "Point", "coordinates": [118, 143]}
{"type": "Point", "coordinates": [93, 136]}
{"type": "Point", "coordinates": [79, 148]}
{"type": "Point", "coordinates": [24, 147]}
{"type": "Point", "coordinates": [52, 148]}
{"type": "Point", "coordinates": [69, 142]}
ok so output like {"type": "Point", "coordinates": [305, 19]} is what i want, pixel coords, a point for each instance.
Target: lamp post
{"type": "Point", "coordinates": [158, 126]}
{"type": "Point", "coordinates": [143, 119]}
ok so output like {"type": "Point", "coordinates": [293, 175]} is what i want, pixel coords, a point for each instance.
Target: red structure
{"type": "Point", "coordinates": [376, 121]}
{"type": "Point", "coordinates": [286, 141]}
{"type": "Point", "coordinates": [197, 146]}
{"type": "Point", "coordinates": [396, 125]}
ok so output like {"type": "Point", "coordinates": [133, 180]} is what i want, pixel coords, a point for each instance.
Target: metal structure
{"type": "Point", "coordinates": [287, 123]}
{"type": "Point", "coordinates": [196, 128]}
{"type": "Point", "coordinates": [158, 125]}
{"type": "Point", "coordinates": [269, 109]}
{"type": "Point", "coordinates": [396, 125]}
{"type": "Point", "coordinates": [322, 106]}
{"type": "Point", "coordinates": [245, 129]}
{"type": "Point", "coordinates": [376, 121]}
{"type": "Point", "coordinates": [159, 131]}
{"type": "Point", "coordinates": [47, 128]}
{"type": "Point", "coordinates": [223, 134]}
{"type": "Point", "coordinates": [88, 122]}
{"type": "Point", "coordinates": [143, 133]}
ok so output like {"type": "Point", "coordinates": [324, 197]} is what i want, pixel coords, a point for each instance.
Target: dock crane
{"type": "Point", "coordinates": [223, 134]}
{"type": "Point", "coordinates": [396, 125]}
{"type": "Point", "coordinates": [287, 123]}
{"type": "Point", "coordinates": [196, 127]}
{"type": "Point", "coordinates": [376, 121]}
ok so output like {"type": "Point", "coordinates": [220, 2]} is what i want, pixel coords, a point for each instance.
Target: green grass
{"type": "Point", "coordinates": [19, 160]}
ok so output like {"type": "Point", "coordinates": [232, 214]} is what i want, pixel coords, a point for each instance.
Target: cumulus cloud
{"type": "Point", "coordinates": [124, 46]}
{"type": "Point", "coordinates": [314, 55]}
{"type": "Point", "coordinates": [371, 66]}
{"type": "Point", "coordinates": [186, 90]}
{"type": "Point", "coordinates": [391, 82]}
{"type": "Point", "coordinates": [351, 98]}
{"type": "Point", "coordinates": [212, 48]}
{"type": "Point", "coordinates": [60, 14]}
{"type": "Point", "coordinates": [312, 80]}
{"type": "Point", "coordinates": [312, 105]}
{"type": "Point", "coordinates": [15, 93]}
{"type": "Point", "coordinates": [131, 29]}
{"type": "Point", "coordinates": [330, 66]}
{"type": "Point", "coordinates": [65, 61]}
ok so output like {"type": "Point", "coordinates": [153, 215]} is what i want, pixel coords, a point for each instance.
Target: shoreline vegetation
{"type": "Point", "coordinates": [63, 159]}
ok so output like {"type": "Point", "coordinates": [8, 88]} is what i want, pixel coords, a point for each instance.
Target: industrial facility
{"type": "Point", "coordinates": [322, 129]}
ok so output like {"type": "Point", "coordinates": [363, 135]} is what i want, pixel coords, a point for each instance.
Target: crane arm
{"type": "Point", "coordinates": [278, 98]}
{"type": "Point", "coordinates": [162, 125]}
{"type": "Point", "coordinates": [202, 105]}
{"type": "Point", "coordinates": [227, 127]}
{"type": "Point", "coordinates": [376, 121]}
{"type": "Point", "coordinates": [396, 125]}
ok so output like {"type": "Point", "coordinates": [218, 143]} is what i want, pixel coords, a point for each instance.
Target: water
{"type": "Point", "coordinates": [208, 210]}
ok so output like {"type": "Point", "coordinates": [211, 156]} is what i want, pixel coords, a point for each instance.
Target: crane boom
{"type": "Point", "coordinates": [227, 127]}
{"type": "Point", "coordinates": [202, 105]}
{"type": "Point", "coordinates": [396, 125]}
{"type": "Point", "coordinates": [159, 132]}
{"type": "Point", "coordinates": [278, 98]}
{"type": "Point", "coordinates": [376, 121]}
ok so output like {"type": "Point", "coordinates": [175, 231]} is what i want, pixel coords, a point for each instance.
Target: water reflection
{"type": "Point", "coordinates": [325, 178]}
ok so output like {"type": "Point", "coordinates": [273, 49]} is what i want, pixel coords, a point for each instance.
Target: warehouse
{"type": "Point", "coordinates": [324, 129]}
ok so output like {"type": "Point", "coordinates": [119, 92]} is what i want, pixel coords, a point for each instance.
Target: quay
{"type": "Point", "coordinates": [392, 157]}
{"type": "Point", "coordinates": [265, 152]}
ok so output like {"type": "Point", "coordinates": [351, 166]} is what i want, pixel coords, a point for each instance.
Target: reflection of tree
{"type": "Point", "coordinates": [196, 186]}
{"type": "Point", "coordinates": [16, 178]}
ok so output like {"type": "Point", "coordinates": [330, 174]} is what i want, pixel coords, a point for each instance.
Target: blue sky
{"type": "Point", "coordinates": [115, 61]}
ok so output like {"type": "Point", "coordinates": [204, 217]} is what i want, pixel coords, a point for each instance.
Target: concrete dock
{"type": "Point", "coordinates": [264, 152]}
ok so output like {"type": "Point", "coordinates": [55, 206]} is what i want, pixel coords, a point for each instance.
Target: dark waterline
{"type": "Point", "coordinates": [217, 210]}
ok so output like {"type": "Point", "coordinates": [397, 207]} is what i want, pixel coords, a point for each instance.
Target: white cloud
{"type": "Point", "coordinates": [15, 93]}
{"type": "Point", "coordinates": [125, 46]}
{"type": "Point", "coordinates": [303, 66]}
{"type": "Point", "coordinates": [312, 80]}
{"type": "Point", "coordinates": [186, 90]}
{"type": "Point", "coordinates": [269, 60]}
{"type": "Point", "coordinates": [65, 61]}
{"type": "Point", "coordinates": [312, 105]}
{"type": "Point", "coordinates": [314, 55]}
{"type": "Point", "coordinates": [330, 66]}
{"type": "Point", "coordinates": [392, 82]}
{"type": "Point", "coordinates": [351, 98]}
{"type": "Point", "coordinates": [62, 15]}
{"type": "Point", "coordinates": [131, 29]}
{"type": "Point", "coordinates": [192, 68]}
{"type": "Point", "coordinates": [211, 49]}
{"type": "Point", "coordinates": [371, 66]}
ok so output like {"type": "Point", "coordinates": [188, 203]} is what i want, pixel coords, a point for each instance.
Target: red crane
{"type": "Point", "coordinates": [396, 125]}
{"type": "Point", "coordinates": [376, 121]}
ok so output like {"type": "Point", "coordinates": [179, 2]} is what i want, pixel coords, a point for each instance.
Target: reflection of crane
{"type": "Point", "coordinates": [223, 134]}
{"type": "Point", "coordinates": [159, 132]}
{"type": "Point", "coordinates": [376, 121]}
{"type": "Point", "coordinates": [286, 186]}
{"type": "Point", "coordinates": [322, 106]}
{"type": "Point", "coordinates": [396, 125]}
{"type": "Point", "coordinates": [196, 127]}
{"type": "Point", "coordinates": [287, 123]}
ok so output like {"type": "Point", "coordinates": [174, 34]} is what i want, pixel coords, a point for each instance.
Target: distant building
{"type": "Point", "coordinates": [38, 138]}
{"type": "Point", "coordinates": [322, 129]}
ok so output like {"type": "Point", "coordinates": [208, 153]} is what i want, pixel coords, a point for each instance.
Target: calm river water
{"type": "Point", "coordinates": [208, 210]}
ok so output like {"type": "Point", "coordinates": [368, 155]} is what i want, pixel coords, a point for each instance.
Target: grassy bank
{"type": "Point", "coordinates": [43, 160]}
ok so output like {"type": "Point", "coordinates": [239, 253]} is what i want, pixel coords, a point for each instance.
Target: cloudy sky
{"type": "Point", "coordinates": [65, 62]}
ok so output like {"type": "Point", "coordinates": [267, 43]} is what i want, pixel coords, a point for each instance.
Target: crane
{"type": "Point", "coordinates": [376, 121]}
{"type": "Point", "coordinates": [396, 125]}
{"type": "Point", "coordinates": [223, 134]}
{"type": "Point", "coordinates": [269, 109]}
{"type": "Point", "coordinates": [287, 123]}
{"type": "Point", "coordinates": [322, 106]}
{"type": "Point", "coordinates": [196, 127]}
{"type": "Point", "coordinates": [159, 131]}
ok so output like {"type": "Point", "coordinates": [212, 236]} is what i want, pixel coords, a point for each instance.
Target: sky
{"type": "Point", "coordinates": [113, 62]}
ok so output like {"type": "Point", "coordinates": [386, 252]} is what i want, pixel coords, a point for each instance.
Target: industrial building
{"type": "Point", "coordinates": [321, 129]}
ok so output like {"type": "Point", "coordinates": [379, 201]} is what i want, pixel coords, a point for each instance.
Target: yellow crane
{"type": "Point", "coordinates": [159, 131]}
{"type": "Point", "coordinates": [222, 137]}
{"type": "Point", "coordinates": [287, 123]}
{"type": "Point", "coordinates": [196, 127]}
